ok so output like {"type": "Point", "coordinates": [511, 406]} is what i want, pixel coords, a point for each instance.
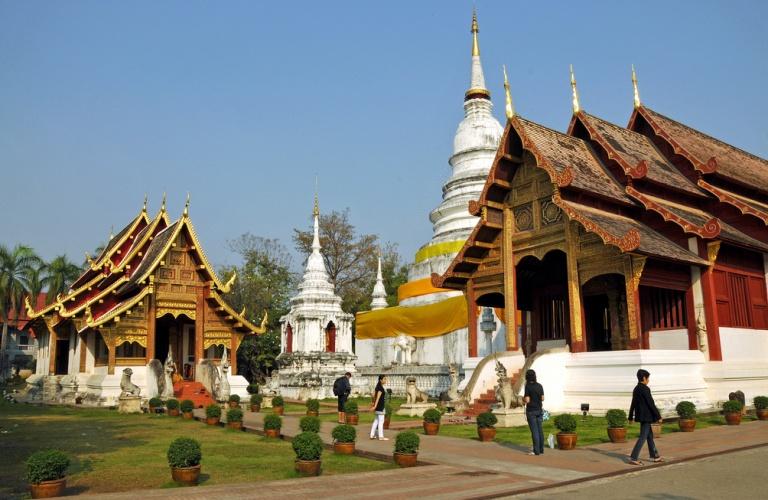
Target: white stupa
{"type": "Point", "coordinates": [316, 335]}
{"type": "Point", "coordinates": [379, 295]}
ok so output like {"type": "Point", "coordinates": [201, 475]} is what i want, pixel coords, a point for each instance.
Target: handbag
{"type": "Point", "coordinates": [544, 415]}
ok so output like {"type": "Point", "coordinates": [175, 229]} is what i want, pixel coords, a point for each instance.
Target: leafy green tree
{"type": "Point", "coordinates": [15, 267]}
{"type": "Point", "coordinates": [265, 283]}
{"type": "Point", "coordinates": [60, 273]}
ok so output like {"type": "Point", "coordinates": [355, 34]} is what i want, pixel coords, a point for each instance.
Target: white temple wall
{"type": "Point", "coordinates": [743, 343]}
{"type": "Point", "coordinates": [43, 354]}
{"type": "Point", "coordinates": [669, 339]}
{"type": "Point", "coordinates": [73, 366]}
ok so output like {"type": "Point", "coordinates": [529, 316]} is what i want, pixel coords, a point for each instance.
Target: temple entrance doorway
{"type": "Point", "coordinates": [542, 291]}
{"type": "Point", "coordinates": [597, 322]}
{"type": "Point", "coordinates": [603, 298]}
{"type": "Point", "coordinates": [61, 365]}
{"type": "Point", "coordinates": [178, 335]}
{"type": "Point", "coordinates": [330, 337]}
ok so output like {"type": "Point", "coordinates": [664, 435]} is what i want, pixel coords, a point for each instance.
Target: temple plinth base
{"type": "Point", "coordinates": [510, 417]}
{"type": "Point", "coordinates": [129, 404]}
{"type": "Point", "coordinates": [267, 402]}
{"type": "Point", "coordinates": [414, 409]}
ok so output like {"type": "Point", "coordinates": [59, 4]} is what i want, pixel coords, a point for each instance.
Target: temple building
{"type": "Point", "coordinates": [436, 317]}
{"type": "Point", "coordinates": [624, 247]}
{"type": "Point", "coordinates": [149, 293]}
{"type": "Point", "coordinates": [316, 334]}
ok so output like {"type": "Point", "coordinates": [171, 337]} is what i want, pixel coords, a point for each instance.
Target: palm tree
{"type": "Point", "coordinates": [15, 266]}
{"type": "Point", "coordinates": [60, 273]}
{"type": "Point", "coordinates": [36, 281]}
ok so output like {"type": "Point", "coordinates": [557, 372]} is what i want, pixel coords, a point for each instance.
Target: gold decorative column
{"type": "Point", "coordinates": [578, 344]}
{"type": "Point", "coordinates": [633, 271]}
{"type": "Point", "coordinates": [510, 292]}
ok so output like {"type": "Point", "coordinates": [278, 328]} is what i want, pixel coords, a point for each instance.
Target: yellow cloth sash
{"type": "Point", "coordinates": [436, 249]}
{"type": "Point", "coordinates": [431, 320]}
{"type": "Point", "coordinates": [416, 288]}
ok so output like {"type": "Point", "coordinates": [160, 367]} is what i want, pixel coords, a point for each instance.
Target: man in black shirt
{"type": "Point", "coordinates": [342, 388]}
{"type": "Point", "coordinates": [533, 397]}
{"type": "Point", "coordinates": [643, 410]}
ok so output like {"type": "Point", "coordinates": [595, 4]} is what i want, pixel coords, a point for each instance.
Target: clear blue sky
{"type": "Point", "coordinates": [241, 103]}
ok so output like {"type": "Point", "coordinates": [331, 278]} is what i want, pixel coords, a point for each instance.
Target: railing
{"type": "Point", "coordinates": [26, 347]}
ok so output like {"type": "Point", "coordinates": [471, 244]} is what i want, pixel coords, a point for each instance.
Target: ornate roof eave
{"type": "Point", "coordinates": [161, 255]}
{"type": "Point", "coordinates": [115, 312]}
{"type": "Point", "coordinates": [68, 314]}
{"type": "Point", "coordinates": [238, 317]}
{"type": "Point", "coordinates": [709, 230]}
{"type": "Point", "coordinates": [732, 200]}
{"type": "Point", "coordinates": [223, 287]}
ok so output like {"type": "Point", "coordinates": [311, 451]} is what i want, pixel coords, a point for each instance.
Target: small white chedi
{"type": "Point", "coordinates": [315, 335]}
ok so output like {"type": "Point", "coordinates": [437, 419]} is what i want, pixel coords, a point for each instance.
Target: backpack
{"type": "Point", "coordinates": [337, 387]}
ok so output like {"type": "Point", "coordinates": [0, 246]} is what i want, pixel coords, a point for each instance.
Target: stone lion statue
{"type": "Point", "coordinates": [405, 345]}
{"type": "Point", "coordinates": [412, 393]}
{"type": "Point", "coordinates": [505, 394]}
{"type": "Point", "coordinates": [127, 387]}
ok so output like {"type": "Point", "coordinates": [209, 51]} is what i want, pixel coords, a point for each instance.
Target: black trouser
{"type": "Point", "coordinates": [535, 422]}
{"type": "Point", "coordinates": [646, 434]}
{"type": "Point", "coordinates": [342, 401]}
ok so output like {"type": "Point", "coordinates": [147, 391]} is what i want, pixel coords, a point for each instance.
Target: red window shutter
{"type": "Point", "coordinates": [739, 299]}
{"type": "Point", "coordinates": [722, 297]}
{"type": "Point", "coordinates": [759, 302]}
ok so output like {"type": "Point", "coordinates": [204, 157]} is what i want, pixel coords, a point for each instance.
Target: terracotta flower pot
{"type": "Point", "coordinates": [386, 422]}
{"type": "Point", "coordinates": [233, 404]}
{"type": "Point", "coordinates": [733, 418]}
{"type": "Point", "coordinates": [212, 420]}
{"type": "Point", "coordinates": [154, 409]}
{"type": "Point", "coordinates": [186, 475]}
{"type": "Point", "coordinates": [272, 433]}
{"type": "Point", "coordinates": [49, 489]}
{"type": "Point", "coordinates": [431, 429]}
{"type": "Point", "coordinates": [762, 414]}
{"type": "Point", "coordinates": [617, 434]}
{"type": "Point", "coordinates": [25, 374]}
{"type": "Point", "coordinates": [235, 426]}
{"type": "Point", "coordinates": [312, 413]}
{"type": "Point", "coordinates": [352, 419]}
{"type": "Point", "coordinates": [656, 428]}
{"type": "Point", "coordinates": [486, 434]}
{"type": "Point", "coordinates": [278, 410]}
{"type": "Point", "coordinates": [344, 448]}
{"type": "Point", "coordinates": [255, 408]}
{"type": "Point", "coordinates": [405, 459]}
{"type": "Point", "coordinates": [188, 415]}
{"type": "Point", "coordinates": [173, 413]}
{"type": "Point", "coordinates": [687, 424]}
{"type": "Point", "coordinates": [566, 441]}
{"type": "Point", "coordinates": [308, 467]}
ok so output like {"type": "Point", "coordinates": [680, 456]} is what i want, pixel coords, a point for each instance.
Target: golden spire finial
{"type": "Point", "coordinates": [510, 108]}
{"type": "Point", "coordinates": [144, 207]}
{"type": "Point", "coordinates": [186, 206]}
{"type": "Point", "coordinates": [111, 232]}
{"type": "Point", "coordinates": [162, 204]}
{"type": "Point", "coordinates": [575, 103]}
{"type": "Point", "coordinates": [316, 209]}
{"type": "Point", "coordinates": [634, 88]}
{"type": "Point", "coordinates": [475, 31]}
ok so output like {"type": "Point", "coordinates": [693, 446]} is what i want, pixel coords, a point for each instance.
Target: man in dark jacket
{"type": "Point", "coordinates": [342, 388]}
{"type": "Point", "coordinates": [644, 411]}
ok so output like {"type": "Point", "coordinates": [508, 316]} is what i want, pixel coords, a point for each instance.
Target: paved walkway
{"type": "Point", "coordinates": [466, 468]}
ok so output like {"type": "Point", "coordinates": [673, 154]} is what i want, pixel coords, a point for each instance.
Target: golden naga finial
{"type": "Point", "coordinates": [575, 92]}
{"type": "Point", "coordinates": [242, 313]}
{"type": "Point", "coordinates": [88, 315]}
{"type": "Point", "coordinates": [144, 207]}
{"type": "Point", "coordinates": [634, 88]}
{"type": "Point", "coordinates": [186, 206]}
{"type": "Point", "coordinates": [231, 281]}
{"type": "Point", "coordinates": [162, 205]}
{"type": "Point", "coordinates": [28, 306]}
{"type": "Point", "coordinates": [263, 325]}
{"type": "Point", "coordinates": [111, 233]}
{"type": "Point", "coordinates": [475, 31]}
{"type": "Point", "coordinates": [90, 262]}
{"type": "Point", "coordinates": [510, 108]}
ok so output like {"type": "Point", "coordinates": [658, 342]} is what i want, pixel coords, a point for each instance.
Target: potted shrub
{"type": "Point", "coordinates": [309, 424]}
{"type": "Point", "coordinates": [687, 413]}
{"type": "Point", "coordinates": [656, 427]}
{"type": "Point", "coordinates": [431, 422]}
{"type": "Point", "coordinates": [187, 406]}
{"type": "Point", "coordinates": [235, 419]}
{"type": "Point", "coordinates": [46, 473]}
{"type": "Point", "coordinates": [155, 405]}
{"type": "Point", "coordinates": [344, 439]}
{"type": "Point", "coordinates": [256, 400]}
{"type": "Point", "coordinates": [732, 412]}
{"type": "Point", "coordinates": [173, 407]}
{"type": "Point", "coordinates": [308, 448]}
{"type": "Point", "coordinates": [761, 407]}
{"type": "Point", "coordinates": [212, 414]}
{"type": "Point", "coordinates": [272, 425]}
{"type": "Point", "coordinates": [252, 388]}
{"type": "Point", "coordinates": [406, 448]}
{"type": "Point", "coordinates": [617, 425]}
{"type": "Point", "coordinates": [278, 405]}
{"type": "Point", "coordinates": [566, 438]}
{"type": "Point", "coordinates": [234, 401]}
{"type": "Point", "coordinates": [387, 414]}
{"type": "Point", "coordinates": [351, 411]}
{"type": "Point", "coordinates": [486, 429]}
{"type": "Point", "coordinates": [184, 458]}
{"type": "Point", "coordinates": [313, 407]}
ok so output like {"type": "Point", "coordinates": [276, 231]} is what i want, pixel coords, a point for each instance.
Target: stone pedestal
{"type": "Point", "coordinates": [510, 417]}
{"type": "Point", "coordinates": [415, 409]}
{"type": "Point", "coordinates": [129, 404]}
{"type": "Point", "coordinates": [267, 402]}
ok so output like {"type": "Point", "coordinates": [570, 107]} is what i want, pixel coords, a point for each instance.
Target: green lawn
{"type": "Point", "coordinates": [113, 452]}
{"type": "Point", "coordinates": [591, 430]}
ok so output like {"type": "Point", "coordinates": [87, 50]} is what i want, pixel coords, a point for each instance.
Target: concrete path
{"type": "Point", "coordinates": [467, 468]}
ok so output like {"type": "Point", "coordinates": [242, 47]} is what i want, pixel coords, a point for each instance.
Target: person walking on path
{"type": "Point", "coordinates": [534, 412]}
{"type": "Point", "coordinates": [341, 389]}
{"type": "Point", "coordinates": [644, 411]}
{"type": "Point", "coordinates": [379, 401]}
